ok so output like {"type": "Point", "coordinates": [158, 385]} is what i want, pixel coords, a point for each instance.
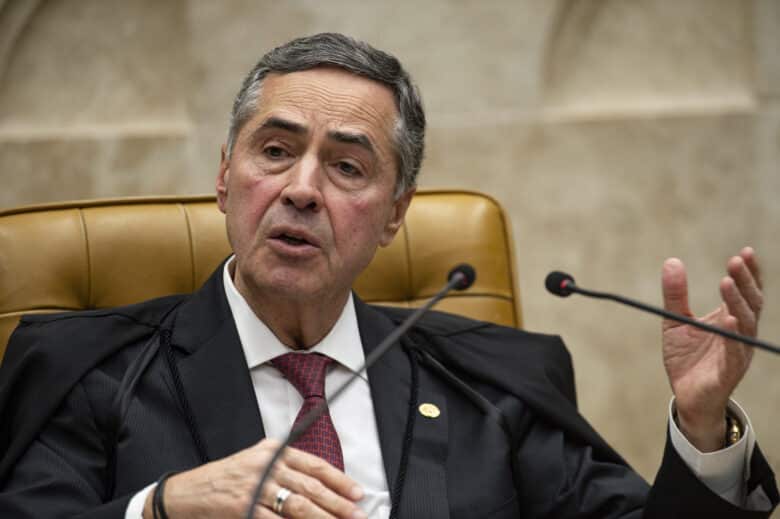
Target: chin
{"type": "Point", "coordinates": [292, 286]}
{"type": "Point", "coordinates": [291, 282]}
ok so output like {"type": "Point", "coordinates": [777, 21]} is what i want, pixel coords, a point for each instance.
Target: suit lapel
{"type": "Point", "coordinates": [390, 382]}
{"type": "Point", "coordinates": [214, 374]}
{"type": "Point", "coordinates": [424, 491]}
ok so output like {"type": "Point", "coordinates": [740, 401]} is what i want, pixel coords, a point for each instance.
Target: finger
{"type": "Point", "coordinates": [261, 512]}
{"type": "Point", "coordinates": [295, 505]}
{"type": "Point", "coordinates": [738, 307]}
{"type": "Point", "coordinates": [736, 348]}
{"type": "Point", "coordinates": [730, 323]}
{"type": "Point", "coordinates": [298, 506]}
{"type": "Point", "coordinates": [675, 290]}
{"type": "Point", "coordinates": [324, 472]}
{"type": "Point", "coordinates": [751, 260]}
{"type": "Point", "coordinates": [268, 496]}
{"type": "Point", "coordinates": [316, 485]}
{"type": "Point", "coordinates": [316, 492]}
{"type": "Point", "coordinates": [746, 283]}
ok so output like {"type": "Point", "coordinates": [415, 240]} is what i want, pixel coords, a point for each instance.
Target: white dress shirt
{"type": "Point", "coordinates": [724, 472]}
{"type": "Point", "coordinates": [352, 413]}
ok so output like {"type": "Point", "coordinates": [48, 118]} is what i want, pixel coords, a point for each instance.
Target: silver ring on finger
{"type": "Point", "coordinates": [281, 496]}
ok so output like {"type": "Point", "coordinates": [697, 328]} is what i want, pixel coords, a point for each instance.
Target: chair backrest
{"type": "Point", "coordinates": [102, 253]}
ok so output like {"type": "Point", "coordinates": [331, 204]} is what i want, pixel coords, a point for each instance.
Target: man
{"type": "Point", "coordinates": [319, 168]}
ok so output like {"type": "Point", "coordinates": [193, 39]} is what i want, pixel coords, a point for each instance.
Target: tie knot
{"type": "Point", "coordinates": [305, 371]}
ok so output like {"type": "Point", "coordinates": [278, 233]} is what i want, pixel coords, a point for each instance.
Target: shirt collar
{"type": "Point", "coordinates": [342, 343]}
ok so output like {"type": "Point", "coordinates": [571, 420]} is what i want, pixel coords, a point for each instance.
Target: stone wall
{"type": "Point", "coordinates": [616, 134]}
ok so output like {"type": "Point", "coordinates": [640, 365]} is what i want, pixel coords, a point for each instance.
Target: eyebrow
{"type": "Point", "coordinates": [283, 124]}
{"type": "Point", "coordinates": [280, 123]}
{"type": "Point", "coordinates": [352, 138]}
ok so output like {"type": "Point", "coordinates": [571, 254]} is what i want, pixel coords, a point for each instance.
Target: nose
{"type": "Point", "coordinates": [303, 188]}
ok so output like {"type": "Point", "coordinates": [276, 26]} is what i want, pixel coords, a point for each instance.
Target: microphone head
{"type": "Point", "coordinates": [559, 283]}
{"type": "Point", "coordinates": [466, 275]}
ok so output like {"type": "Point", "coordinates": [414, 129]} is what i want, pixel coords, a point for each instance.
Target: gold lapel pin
{"type": "Point", "coordinates": [429, 410]}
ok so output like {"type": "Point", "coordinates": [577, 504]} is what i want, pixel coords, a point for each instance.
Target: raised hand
{"type": "Point", "coordinates": [703, 368]}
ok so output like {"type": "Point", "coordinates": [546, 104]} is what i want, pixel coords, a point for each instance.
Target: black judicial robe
{"type": "Point", "coordinates": [94, 406]}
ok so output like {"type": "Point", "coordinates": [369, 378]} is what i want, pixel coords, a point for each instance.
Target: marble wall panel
{"type": "Point", "coordinates": [614, 58]}
{"type": "Point", "coordinates": [47, 171]}
{"type": "Point", "coordinates": [767, 43]}
{"type": "Point", "coordinates": [91, 62]}
{"type": "Point", "coordinates": [54, 170]}
{"type": "Point", "coordinates": [13, 22]}
{"type": "Point", "coordinates": [145, 166]}
{"type": "Point", "coordinates": [204, 145]}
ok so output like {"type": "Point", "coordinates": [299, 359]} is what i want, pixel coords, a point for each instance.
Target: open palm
{"type": "Point", "coordinates": [703, 368]}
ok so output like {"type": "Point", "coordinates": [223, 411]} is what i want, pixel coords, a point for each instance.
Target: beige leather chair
{"type": "Point", "coordinates": [102, 253]}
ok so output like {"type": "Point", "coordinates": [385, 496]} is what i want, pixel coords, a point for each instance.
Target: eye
{"type": "Point", "coordinates": [275, 152]}
{"type": "Point", "coordinates": [348, 169]}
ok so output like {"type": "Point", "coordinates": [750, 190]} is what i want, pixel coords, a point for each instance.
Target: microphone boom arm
{"type": "Point", "coordinates": [570, 285]}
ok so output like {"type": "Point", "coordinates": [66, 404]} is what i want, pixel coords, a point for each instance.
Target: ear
{"type": "Point", "coordinates": [222, 180]}
{"type": "Point", "coordinates": [397, 215]}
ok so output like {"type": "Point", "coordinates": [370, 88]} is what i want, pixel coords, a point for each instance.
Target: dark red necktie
{"type": "Point", "coordinates": [306, 371]}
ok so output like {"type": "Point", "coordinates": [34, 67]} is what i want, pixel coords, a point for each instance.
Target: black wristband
{"type": "Point", "coordinates": [158, 506]}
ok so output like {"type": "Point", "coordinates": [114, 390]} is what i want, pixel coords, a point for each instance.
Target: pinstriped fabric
{"type": "Point", "coordinates": [306, 372]}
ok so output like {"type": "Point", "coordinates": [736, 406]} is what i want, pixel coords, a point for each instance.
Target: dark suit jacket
{"type": "Point", "coordinates": [94, 406]}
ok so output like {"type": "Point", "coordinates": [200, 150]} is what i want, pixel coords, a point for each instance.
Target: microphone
{"type": "Point", "coordinates": [562, 284]}
{"type": "Point", "coordinates": [460, 277]}
{"type": "Point", "coordinates": [465, 275]}
{"type": "Point", "coordinates": [559, 283]}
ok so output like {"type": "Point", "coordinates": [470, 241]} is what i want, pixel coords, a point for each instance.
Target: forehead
{"type": "Point", "coordinates": [332, 98]}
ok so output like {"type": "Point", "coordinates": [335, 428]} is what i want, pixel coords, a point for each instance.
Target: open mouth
{"type": "Point", "coordinates": [292, 240]}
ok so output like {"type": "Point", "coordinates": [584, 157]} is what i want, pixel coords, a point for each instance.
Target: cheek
{"type": "Point", "coordinates": [249, 203]}
{"type": "Point", "coordinates": [260, 192]}
{"type": "Point", "coordinates": [362, 217]}
{"type": "Point", "coordinates": [366, 222]}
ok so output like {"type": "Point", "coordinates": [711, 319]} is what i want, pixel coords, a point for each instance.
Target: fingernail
{"type": "Point", "coordinates": [359, 514]}
{"type": "Point", "coordinates": [356, 493]}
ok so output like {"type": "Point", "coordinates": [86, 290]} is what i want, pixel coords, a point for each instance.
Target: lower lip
{"type": "Point", "coordinates": [294, 251]}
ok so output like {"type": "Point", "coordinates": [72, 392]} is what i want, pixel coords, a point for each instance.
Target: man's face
{"type": "Point", "coordinates": [308, 191]}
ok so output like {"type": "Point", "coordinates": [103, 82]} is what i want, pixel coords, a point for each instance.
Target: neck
{"type": "Point", "coordinates": [298, 322]}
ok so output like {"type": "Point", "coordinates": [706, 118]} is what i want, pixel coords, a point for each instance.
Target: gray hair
{"type": "Point", "coordinates": [331, 49]}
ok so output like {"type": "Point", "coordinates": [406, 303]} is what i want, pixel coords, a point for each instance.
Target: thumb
{"type": "Point", "coordinates": [675, 289]}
